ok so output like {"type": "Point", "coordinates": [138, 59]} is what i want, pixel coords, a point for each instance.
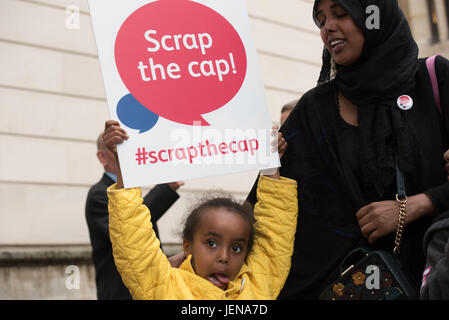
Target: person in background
{"type": "Point", "coordinates": [108, 281]}
{"type": "Point", "coordinates": [286, 110]}
{"type": "Point", "coordinates": [435, 280]}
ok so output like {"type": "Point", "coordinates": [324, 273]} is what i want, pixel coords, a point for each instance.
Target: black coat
{"type": "Point", "coordinates": [108, 280]}
{"type": "Point", "coordinates": [329, 194]}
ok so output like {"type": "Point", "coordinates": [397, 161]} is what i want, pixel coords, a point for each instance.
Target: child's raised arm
{"type": "Point", "coordinates": [112, 136]}
{"type": "Point", "coordinates": [276, 213]}
{"type": "Point", "coordinates": [144, 268]}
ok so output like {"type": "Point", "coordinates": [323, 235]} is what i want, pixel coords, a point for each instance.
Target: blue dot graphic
{"type": "Point", "coordinates": [134, 115]}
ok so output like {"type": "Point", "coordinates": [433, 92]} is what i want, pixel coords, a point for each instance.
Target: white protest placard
{"type": "Point", "coordinates": [182, 78]}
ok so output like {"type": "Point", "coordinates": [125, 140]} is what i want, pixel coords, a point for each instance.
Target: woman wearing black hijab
{"type": "Point", "coordinates": [345, 135]}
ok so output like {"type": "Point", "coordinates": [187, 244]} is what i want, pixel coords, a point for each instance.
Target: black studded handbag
{"type": "Point", "coordinates": [375, 275]}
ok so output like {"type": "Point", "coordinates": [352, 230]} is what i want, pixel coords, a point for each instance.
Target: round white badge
{"type": "Point", "coordinates": [405, 102]}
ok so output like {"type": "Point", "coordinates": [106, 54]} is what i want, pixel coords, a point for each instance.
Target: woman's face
{"type": "Point", "coordinates": [339, 33]}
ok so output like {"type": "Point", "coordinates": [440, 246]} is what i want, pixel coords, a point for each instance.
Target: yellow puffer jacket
{"type": "Point", "coordinates": [147, 273]}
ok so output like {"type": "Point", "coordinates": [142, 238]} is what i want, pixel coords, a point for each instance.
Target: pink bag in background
{"type": "Point", "coordinates": [430, 62]}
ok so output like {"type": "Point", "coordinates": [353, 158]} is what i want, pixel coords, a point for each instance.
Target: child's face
{"type": "Point", "coordinates": [219, 246]}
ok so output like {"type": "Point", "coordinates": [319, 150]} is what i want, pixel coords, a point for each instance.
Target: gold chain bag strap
{"type": "Point", "coordinates": [401, 223]}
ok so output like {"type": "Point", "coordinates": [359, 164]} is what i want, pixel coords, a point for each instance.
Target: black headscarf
{"type": "Point", "coordinates": [384, 71]}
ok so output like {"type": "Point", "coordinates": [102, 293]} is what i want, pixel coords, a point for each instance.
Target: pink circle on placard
{"type": "Point", "coordinates": [182, 96]}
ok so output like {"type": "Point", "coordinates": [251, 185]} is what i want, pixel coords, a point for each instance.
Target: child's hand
{"type": "Point", "coordinates": [280, 143]}
{"type": "Point", "coordinates": [113, 135]}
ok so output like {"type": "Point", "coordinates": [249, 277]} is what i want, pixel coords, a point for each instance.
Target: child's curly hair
{"type": "Point", "coordinates": [223, 201]}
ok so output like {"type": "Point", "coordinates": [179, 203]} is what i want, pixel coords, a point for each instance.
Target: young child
{"type": "Point", "coordinates": [224, 259]}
